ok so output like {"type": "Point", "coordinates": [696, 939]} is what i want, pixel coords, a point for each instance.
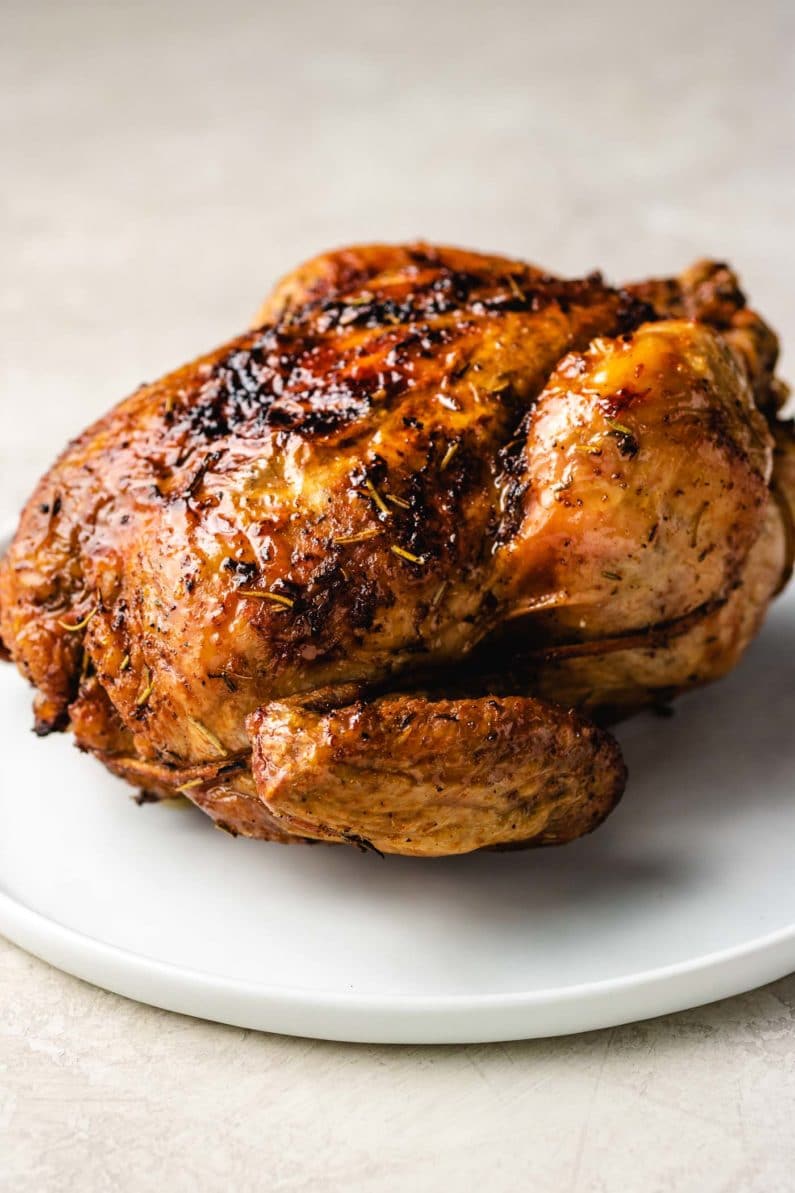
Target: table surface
{"type": "Point", "coordinates": [163, 164]}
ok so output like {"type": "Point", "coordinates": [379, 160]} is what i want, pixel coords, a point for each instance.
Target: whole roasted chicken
{"type": "Point", "coordinates": [380, 569]}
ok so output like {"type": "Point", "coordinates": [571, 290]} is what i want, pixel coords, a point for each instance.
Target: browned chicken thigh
{"type": "Point", "coordinates": [364, 573]}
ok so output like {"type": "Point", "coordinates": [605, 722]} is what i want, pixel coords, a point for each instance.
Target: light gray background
{"type": "Point", "coordinates": [161, 165]}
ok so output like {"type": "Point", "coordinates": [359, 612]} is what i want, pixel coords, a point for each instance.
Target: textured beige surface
{"type": "Point", "coordinates": [103, 1094]}
{"type": "Point", "coordinates": [162, 163]}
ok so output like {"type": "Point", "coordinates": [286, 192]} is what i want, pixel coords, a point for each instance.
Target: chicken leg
{"type": "Point", "coordinates": [412, 775]}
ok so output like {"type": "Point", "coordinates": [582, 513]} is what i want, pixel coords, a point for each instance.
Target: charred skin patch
{"type": "Point", "coordinates": [297, 376]}
{"type": "Point", "coordinates": [275, 381]}
{"type": "Point", "coordinates": [513, 484]}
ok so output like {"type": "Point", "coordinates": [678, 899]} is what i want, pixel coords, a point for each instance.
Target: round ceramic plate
{"type": "Point", "coordinates": [685, 895]}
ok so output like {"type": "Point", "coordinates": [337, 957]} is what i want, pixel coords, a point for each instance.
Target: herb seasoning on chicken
{"type": "Point", "coordinates": [379, 570]}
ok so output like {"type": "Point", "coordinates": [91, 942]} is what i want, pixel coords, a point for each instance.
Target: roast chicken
{"type": "Point", "coordinates": [383, 569]}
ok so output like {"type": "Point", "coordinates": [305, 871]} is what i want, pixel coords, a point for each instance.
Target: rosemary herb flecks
{"type": "Point", "coordinates": [402, 553]}
{"type": "Point", "coordinates": [360, 536]}
{"type": "Point", "coordinates": [146, 691]}
{"type": "Point", "coordinates": [261, 594]}
{"type": "Point", "coordinates": [452, 448]}
{"type": "Point", "coordinates": [80, 625]}
{"type": "Point", "coordinates": [377, 498]}
{"type": "Point", "coordinates": [207, 736]}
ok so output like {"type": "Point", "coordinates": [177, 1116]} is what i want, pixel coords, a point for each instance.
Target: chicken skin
{"type": "Point", "coordinates": [379, 570]}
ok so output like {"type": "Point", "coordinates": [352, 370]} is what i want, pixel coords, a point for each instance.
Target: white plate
{"type": "Point", "coordinates": [687, 893]}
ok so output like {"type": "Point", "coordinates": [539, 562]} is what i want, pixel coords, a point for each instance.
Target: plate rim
{"type": "Point", "coordinates": [404, 1019]}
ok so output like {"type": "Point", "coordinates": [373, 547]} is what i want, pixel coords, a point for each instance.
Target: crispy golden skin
{"type": "Point", "coordinates": [423, 470]}
{"type": "Point", "coordinates": [405, 774]}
